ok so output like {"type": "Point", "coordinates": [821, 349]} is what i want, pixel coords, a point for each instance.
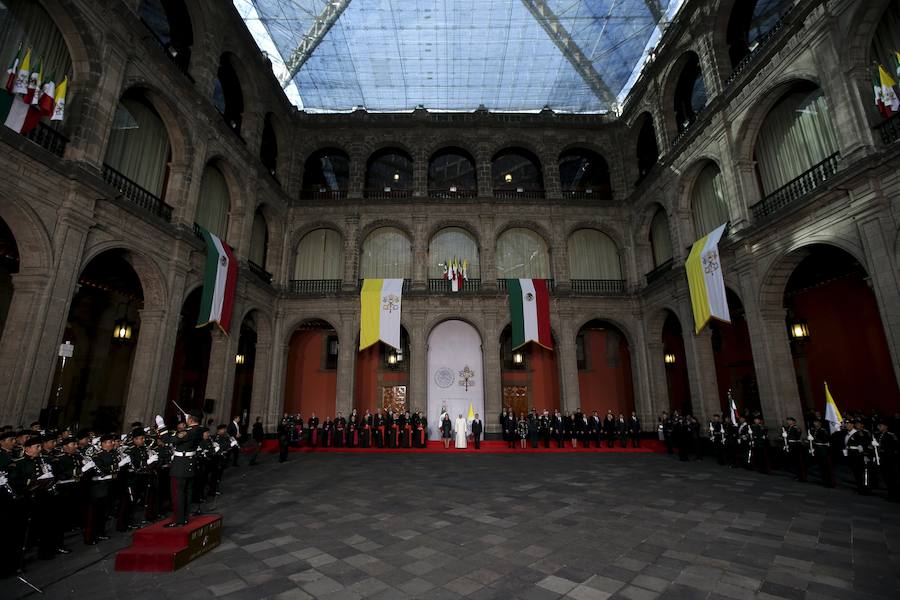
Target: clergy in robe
{"type": "Point", "coordinates": [422, 431]}
{"type": "Point", "coordinates": [390, 429]}
{"type": "Point", "coordinates": [340, 431]}
{"type": "Point", "coordinates": [353, 429]}
{"type": "Point", "coordinates": [313, 431]}
{"type": "Point", "coordinates": [365, 430]}
{"type": "Point", "coordinates": [405, 431]}
{"type": "Point", "coordinates": [327, 433]}
{"type": "Point", "coordinates": [461, 429]}
{"type": "Point", "coordinates": [378, 429]}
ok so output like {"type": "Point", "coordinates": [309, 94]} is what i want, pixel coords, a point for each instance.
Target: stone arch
{"type": "Point", "coordinates": [379, 223]}
{"type": "Point", "coordinates": [449, 144]}
{"type": "Point", "coordinates": [32, 238]}
{"type": "Point", "coordinates": [657, 319]}
{"type": "Point", "coordinates": [247, 78]}
{"type": "Point", "coordinates": [380, 145]}
{"type": "Point", "coordinates": [671, 78]}
{"type": "Point", "coordinates": [584, 318]}
{"type": "Point", "coordinates": [178, 127]}
{"type": "Point", "coordinates": [611, 232]}
{"type": "Point", "coordinates": [780, 268]}
{"type": "Point", "coordinates": [237, 193]}
{"type": "Point", "coordinates": [689, 178]}
{"type": "Point", "coordinates": [512, 143]}
{"type": "Point", "coordinates": [469, 227]}
{"type": "Point", "coordinates": [299, 233]}
{"type": "Point", "coordinates": [151, 276]}
{"type": "Point", "coordinates": [747, 130]}
{"type": "Point", "coordinates": [865, 18]}
{"type": "Point", "coordinates": [470, 319]}
{"type": "Point", "coordinates": [296, 321]}
{"type": "Point", "coordinates": [539, 229]}
{"type": "Point", "coordinates": [263, 322]}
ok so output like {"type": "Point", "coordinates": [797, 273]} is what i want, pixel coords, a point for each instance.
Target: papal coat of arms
{"type": "Point", "coordinates": [711, 262]}
{"type": "Point", "coordinates": [467, 377]}
{"type": "Point", "coordinates": [391, 302]}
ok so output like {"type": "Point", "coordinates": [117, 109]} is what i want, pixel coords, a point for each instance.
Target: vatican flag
{"type": "Point", "coordinates": [832, 414]}
{"type": "Point", "coordinates": [704, 273]}
{"type": "Point", "coordinates": [471, 414]}
{"type": "Point", "coordinates": [379, 319]}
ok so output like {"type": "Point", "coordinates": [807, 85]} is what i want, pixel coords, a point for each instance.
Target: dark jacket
{"type": "Point", "coordinates": [181, 442]}
{"type": "Point", "coordinates": [477, 428]}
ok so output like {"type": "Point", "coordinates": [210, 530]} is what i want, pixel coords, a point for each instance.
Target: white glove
{"type": "Point", "coordinates": [233, 442]}
{"type": "Point", "coordinates": [46, 476]}
{"type": "Point", "coordinates": [784, 434]}
{"type": "Point", "coordinates": [216, 446]}
{"type": "Point", "coordinates": [126, 460]}
{"type": "Point", "coordinates": [810, 437]}
{"type": "Point", "coordinates": [185, 417]}
{"type": "Point", "coordinates": [95, 441]}
{"type": "Point", "coordinates": [875, 443]}
{"type": "Point", "coordinates": [153, 458]}
{"type": "Point", "coordinates": [124, 435]}
{"type": "Point", "coordinates": [3, 479]}
{"type": "Point", "coordinates": [87, 466]}
{"type": "Point", "coordinates": [160, 422]}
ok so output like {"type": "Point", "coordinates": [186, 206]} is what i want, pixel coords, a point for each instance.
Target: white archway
{"type": "Point", "coordinates": [455, 373]}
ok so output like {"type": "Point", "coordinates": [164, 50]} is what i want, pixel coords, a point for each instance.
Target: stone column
{"type": "Point", "coordinates": [351, 253]}
{"type": "Point", "coordinates": [142, 400]}
{"type": "Point", "coordinates": [493, 387]}
{"type": "Point", "coordinates": [357, 172]}
{"type": "Point", "coordinates": [646, 394]}
{"type": "Point", "coordinates": [417, 393]}
{"type": "Point", "coordinates": [656, 377]}
{"type": "Point", "coordinates": [773, 363]}
{"type": "Point", "coordinates": [487, 250]}
{"type": "Point", "coordinates": [347, 351]}
{"type": "Point", "coordinates": [559, 263]}
{"type": "Point", "coordinates": [419, 247]}
{"type": "Point", "coordinates": [262, 376]}
{"type": "Point", "coordinates": [21, 335]}
{"type": "Point", "coordinates": [570, 396]}
{"type": "Point", "coordinates": [274, 387]}
{"type": "Point", "coordinates": [702, 374]}
{"type": "Point", "coordinates": [747, 187]}
{"type": "Point", "coordinates": [550, 171]}
{"type": "Point", "coordinates": [483, 172]}
{"type": "Point", "coordinates": [420, 174]}
{"type": "Point", "coordinates": [220, 375]}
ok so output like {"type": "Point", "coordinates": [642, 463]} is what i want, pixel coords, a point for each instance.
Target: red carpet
{"type": "Point", "coordinates": [156, 548]}
{"type": "Point", "coordinates": [494, 447]}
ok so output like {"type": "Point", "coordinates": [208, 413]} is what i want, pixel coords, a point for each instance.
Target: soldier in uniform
{"type": "Point", "coordinates": [717, 438]}
{"type": "Point", "coordinates": [760, 434]}
{"type": "Point", "coordinates": [544, 425]}
{"type": "Point", "coordinates": [11, 508]}
{"type": "Point", "coordinates": [104, 468]}
{"type": "Point", "coordinates": [744, 444]}
{"type": "Point", "coordinates": [634, 430]}
{"type": "Point", "coordinates": [888, 447]}
{"type": "Point", "coordinates": [820, 439]}
{"type": "Point", "coordinates": [184, 444]}
{"type": "Point", "coordinates": [797, 448]}
{"type": "Point", "coordinates": [858, 446]}
{"type": "Point", "coordinates": [283, 433]}
{"type": "Point", "coordinates": [67, 468]}
{"type": "Point", "coordinates": [32, 479]}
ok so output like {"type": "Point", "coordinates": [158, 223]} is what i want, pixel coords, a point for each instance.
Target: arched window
{"type": "Point", "coordinates": [516, 171]}
{"type": "Point", "coordinates": [212, 210]}
{"type": "Point", "coordinates": [389, 172]}
{"type": "Point", "coordinates": [708, 205]}
{"type": "Point", "coordinates": [750, 20]}
{"type": "Point", "coordinates": [796, 135]}
{"type": "Point", "coordinates": [268, 148]}
{"type": "Point", "coordinates": [25, 25]}
{"type": "Point", "coordinates": [227, 95]}
{"type": "Point", "coordinates": [320, 255]}
{"type": "Point", "coordinates": [660, 238]}
{"type": "Point", "coordinates": [522, 253]}
{"type": "Point", "coordinates": [259, 239]}
{"type": "Point", "coordinates": [326, 174]}
{"type": "Point", "coordinates": [584, 174]}
{"type": "Point", "coordinates": [138, 145]}
{"type": "Point", "coordinates": [690, 93]}
{"type": "Point", "coordinates": [647, 150]}
{"type": "Point", "coordinates": [170, 22]}
{"type": "Point", "coordinates": [451, 171]}
{"type": "Point", "coordinates": [593, 255]}
{"type": "Point", "coordinates": [386, 253]}
{"type": "Point", "coordinates": [886, 40]}
{"type": "Point", "coordinates": [453, 243]}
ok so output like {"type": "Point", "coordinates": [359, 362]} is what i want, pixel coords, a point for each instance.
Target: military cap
{"type": "Point", "coordinates": [34, 440]}
{"type": "Point", "coordinates": [792, 419]}
{"type": "Point", "coordinates": [108, 437]}
{"type": "Point", "coordinates": [137, 432]}
{"type": "Point", "coordinates": [7, 434]}
{"type": "Point", "coordinates": [69, 440]}
{"type": "Point", "coordinates": [83, 433]}
{"type": "Point", "coordinates": [197, 415]}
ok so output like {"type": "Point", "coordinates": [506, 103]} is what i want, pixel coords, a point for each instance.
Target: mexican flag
{"type": "Point", "coordinates": [218, 283]}
{"type": "Point", "coordinates": [12, 72]}
{"type": "Point", "coordinates": [21, 116]}
{"type": "Point", "coordinates": [529, 310]}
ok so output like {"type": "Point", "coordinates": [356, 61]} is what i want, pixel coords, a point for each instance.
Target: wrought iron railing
{"type": "Point", "coordinates": [797, 188]}
{"type": "Point", "coordinates": [445, 193]}
{"type": "Point", "coordinates": [587, 194]}
{"type": "Point", "coordinates": [136, 195]}
{"type": "Point", "coordinates": [323, 195]}
{"type": "Point", "coordinates": [518, 194]}
{"type": "Point", "coordinates": [501, 284]}
{"type": "Point", "coordinates": [392, 193]}
{"type": "Point", "coordinates": [48, 138]}
{"type": "Point", "coordinates": [660, 271]}
{"type": "Point", "coordinates": [610, 287]}
{"type": "Point", "coordinates": [313, 286]}
{"type": "Point", "coordinates": [761, 42]}
{"type": "Point", "coordinates": [443, 285]}
{"type": "Point", "coordinates": [260, 272]}
{"type": "Point", "coordinates": [889, 129]}
{"type": "Point", "coordinates": [406, 283]}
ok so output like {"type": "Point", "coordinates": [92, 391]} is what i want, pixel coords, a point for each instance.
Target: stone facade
{"type": "Point", "coordinates": [62, 213]}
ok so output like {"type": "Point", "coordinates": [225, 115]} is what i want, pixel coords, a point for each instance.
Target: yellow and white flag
{"type": "Point", "coordinates": [832, 414]}
{"type": "Point", "coordinates": [704, 273]}
{"type": "Point", "coordinates": [379, 320]}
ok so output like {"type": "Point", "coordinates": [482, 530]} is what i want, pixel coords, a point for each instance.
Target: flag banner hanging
{"type": "Point", "coordinates": [832, 414]}
{"type": "Point", "coordinates": [704, 273]}
{"type": "Point", "coordinates": [219, 279]}
{"type": "Point", "coordinates": [529, 311]}
{"type": "Point", "coordinates": [732, 410]}
{"type": "Point", "coordinates": [379, 303]}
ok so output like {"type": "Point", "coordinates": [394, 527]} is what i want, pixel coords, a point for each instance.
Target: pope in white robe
{"type": "Point", "coordinates": [461, 431]}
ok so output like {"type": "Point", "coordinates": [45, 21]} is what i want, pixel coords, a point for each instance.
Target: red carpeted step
{"type": "Point", "coordinates": [158, 548]}
{"type": "Point", "coordinates": [490, 446]}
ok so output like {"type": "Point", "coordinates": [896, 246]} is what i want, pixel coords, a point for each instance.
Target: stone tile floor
{"type": "Point", "coordinates": [582, 527]}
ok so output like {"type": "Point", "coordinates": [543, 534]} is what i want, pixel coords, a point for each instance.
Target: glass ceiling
{"type": "Point", "coordinates": [456, 55]}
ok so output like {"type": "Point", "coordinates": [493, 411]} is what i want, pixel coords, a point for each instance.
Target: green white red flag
{"type": "Point", "coordinates": [219, 283]}
{"type": "Point", "coordinates": [529, 310]}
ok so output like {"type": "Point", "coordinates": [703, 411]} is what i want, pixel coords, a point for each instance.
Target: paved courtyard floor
{"type": "Point", "coordinates": [582, 527]}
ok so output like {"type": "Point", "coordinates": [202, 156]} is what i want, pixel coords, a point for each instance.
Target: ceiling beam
{"type": "Point", "coordinates": [570, 49]}
{"type": "Point", "coordinates": [320, 26]}
{"type": "Point", "coordinates": [655, 10]}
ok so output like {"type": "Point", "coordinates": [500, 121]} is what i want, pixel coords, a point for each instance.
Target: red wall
{"type": "Point", "coordinates": [734, 365]}
{"type": "Point", "coordinates": [308, 387]}
{"type": "Point", "coordinates": [606, 384]}
{"type": "Point", "coordinates": [541, 375]}
{"type": "Point", "coordinates": [846, 347]}
{"type": "Point", "coordinates": [370, 378]}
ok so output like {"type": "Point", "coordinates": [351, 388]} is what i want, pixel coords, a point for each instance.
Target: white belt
{"type": "Point", "coordinates": [66, 481]}
{"type": "Point", "coordinates": [185, 454]}
{"type": "Point", "coordinates": [104, 478]}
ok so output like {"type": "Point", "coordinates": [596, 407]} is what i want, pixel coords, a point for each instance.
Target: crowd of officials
{"type": "Point", "coordinates": [56, 483]}
{"type": "Point", "coordinates": [866, 445]}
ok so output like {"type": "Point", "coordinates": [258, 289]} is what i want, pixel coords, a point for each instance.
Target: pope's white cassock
{"type": "Point", "coordinates": [461, 426]}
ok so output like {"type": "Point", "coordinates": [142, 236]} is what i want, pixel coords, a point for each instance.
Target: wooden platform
{"type": "Point", "coordinates": [157, 549]}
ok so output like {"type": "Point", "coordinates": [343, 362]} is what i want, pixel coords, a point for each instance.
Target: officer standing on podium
{"type": "Point", "coordinates": [184, 465]}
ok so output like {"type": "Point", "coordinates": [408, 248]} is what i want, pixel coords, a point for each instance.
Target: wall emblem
{"type": "Point", "coordinates": [444, 377]}
{"type": "Point", "coordinates": [467, 377]}
{"type": "Point", "coordinates": [529, 297]}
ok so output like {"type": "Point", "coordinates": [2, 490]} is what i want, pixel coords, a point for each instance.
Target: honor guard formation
{"type": "Point", "coordinates": [57, 483]}
{"type": "Point", "coordinates": [866, 445]}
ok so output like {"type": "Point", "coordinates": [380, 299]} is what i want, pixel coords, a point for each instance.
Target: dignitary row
{"type": "Point", "coordinates": [367, 430]}
{"type": "Point", "coordinates": [54, 483]}
{"type": "Point", "coordinates": [824, 450]}
{"type": "Point", "coordinates": [569, 428]}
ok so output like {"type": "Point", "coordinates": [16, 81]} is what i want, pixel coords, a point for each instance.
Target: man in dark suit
{"type": "Point", "coordinates": [234, 430]}
{"type": "Point", "coordinates": [184, 466]}
{"type": "Point", "coordinates": [477, 428]}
